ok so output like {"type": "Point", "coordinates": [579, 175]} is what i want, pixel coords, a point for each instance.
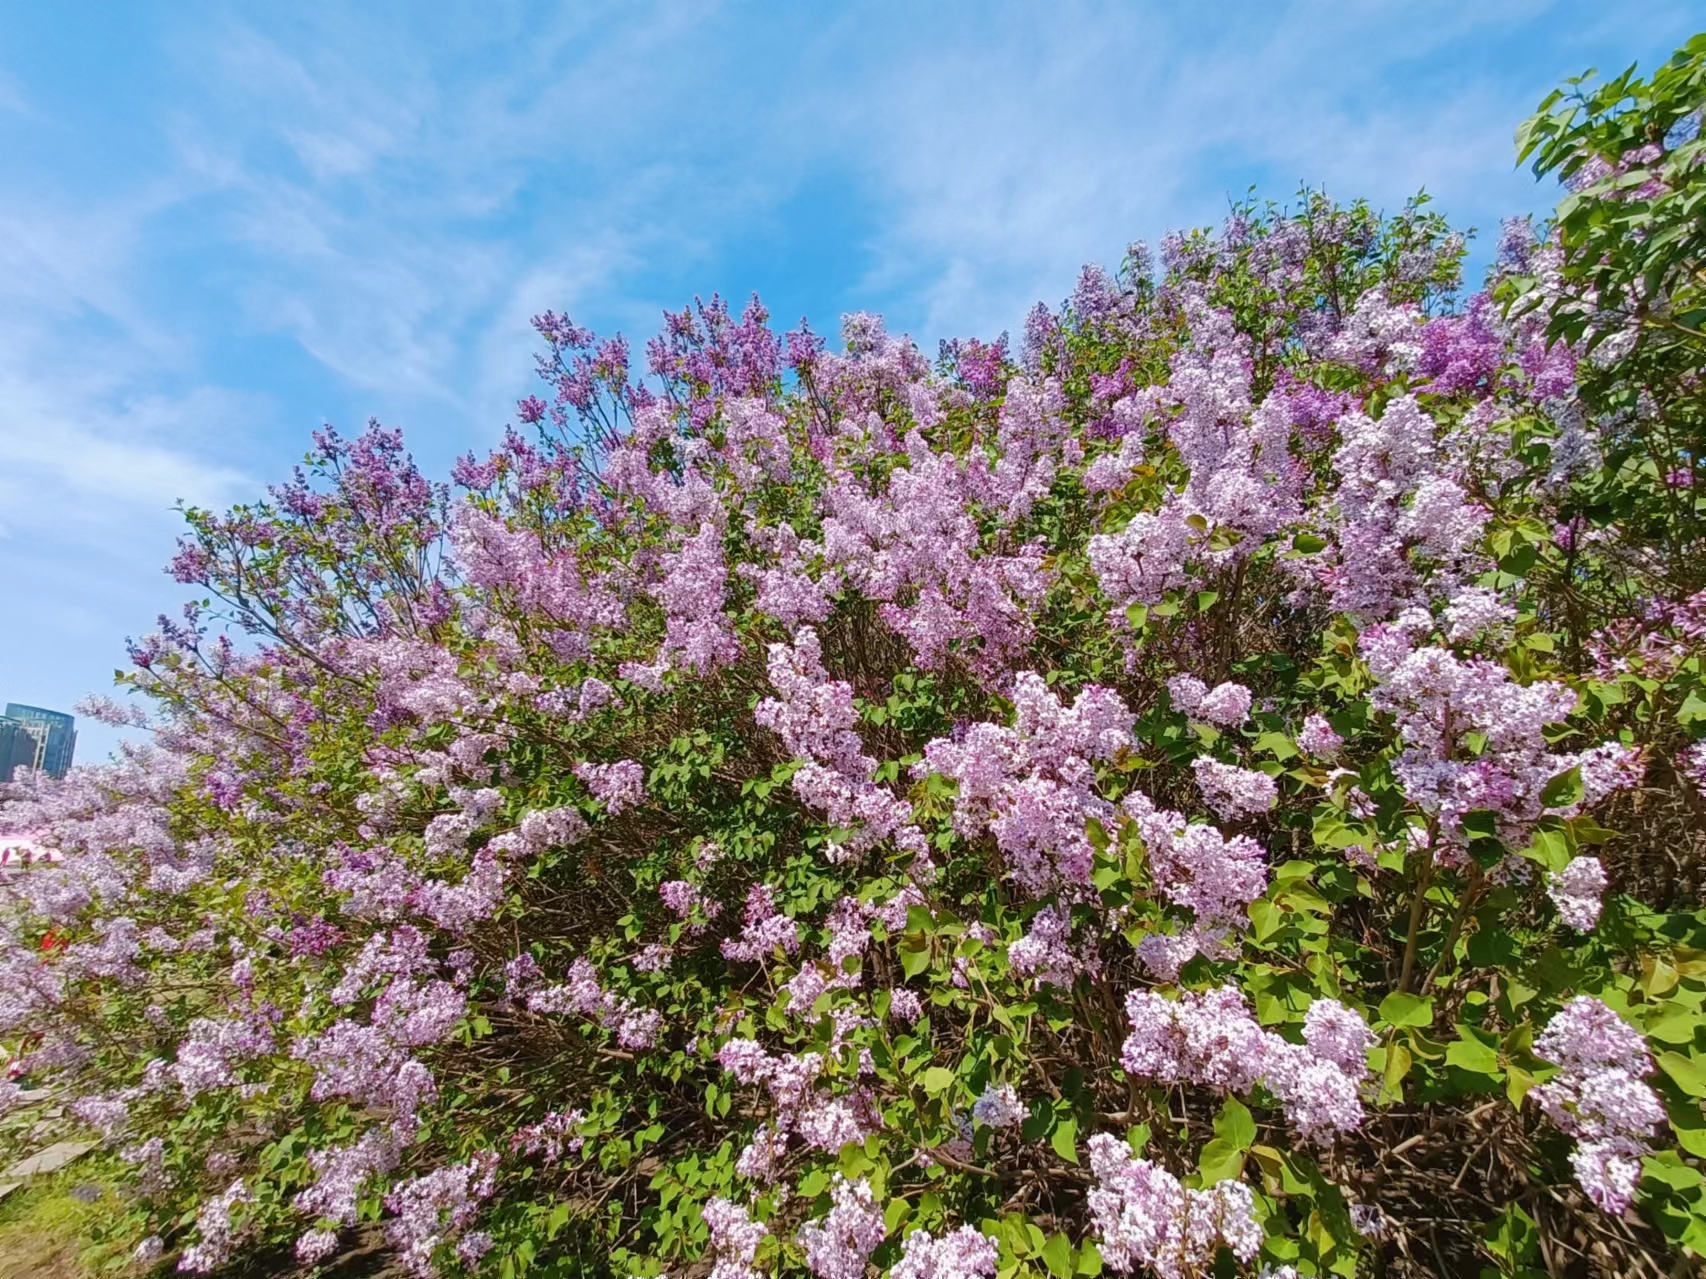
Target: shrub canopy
{"type": "Point", "coordinates": [1211, 790]}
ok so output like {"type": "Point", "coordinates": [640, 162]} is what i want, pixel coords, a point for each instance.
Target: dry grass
{"type": "Point", "coordinates": [44, 1231]}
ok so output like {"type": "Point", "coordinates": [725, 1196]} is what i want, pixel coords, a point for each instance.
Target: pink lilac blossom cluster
{"type": "Point", "coordinates": [1033, 786]}
{"type": "Point", "coordinates": [436, 1209]}
{"type": "Point", "coordinates": [1243, 485]}
{"type": "Point", "coordinates": [618, 786]}
{"type": "Point", "coordinates": [764, 929]}
{"type": "Point", "coordinates": [962, 1253]}
{"type": "Point", "coordinates": [1398, 503]}
{"type": "Point", "coordinates": [1227, 704]}
{"type": "Point", "coordinates": [540, 830]}
{"type": "Point", "coordinates": [799, 1107]}
{"type": "Point", "coordinates": [552, 1137]}
{"type": "Point", "coordinates": [735, 1237]}
{"type": "Point", "coordinates": [217, 1233]}
{"type": "Point", "coordinates": [635, 1027]}
{"type": "Point", "coordinates": [684, 898]}
{"type": "Point", "coordinates": [1600, 1097]}
{"type": "Point", "coordinates": [1234, 793]}
{"type": "Point", "coordinates": [1318, 738]}
{"type": "Point", "coordinates": [998, 1107]}
{"type": "Point", "coordinates": [815, 718]}
{"type": "Point", "coordinates": [1144, 1217]}
{"type": "Point", "coordinates": [1440, 699]}
{"type": "Point", "coordinates": [1211, 1039]}
{"type": "Point", "coordinates": [904, 1005]}
{"type": "Point", "coordinates": [1197, 867]}
{"type": "Point", "coordinates": [1045, 953]}
{"type": "Point", "coordinates": [1577, 891]}
{"type": "Point", "coordinates": [341, 1173]}
{"type": "Point", "coordinates": [838, 1244]}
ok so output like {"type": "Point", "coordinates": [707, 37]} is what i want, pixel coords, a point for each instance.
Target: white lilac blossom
{"type": "Point", "coordinates": [838, 1244]}
{"type": "Point", "coordinates": [1599, 1096]}
{"type": "Point", "coordinates": [1143, 1216]}
{"type": "Point", "coordinates": [1318, 738]}
{"type": "Point", "coordinates": [1212, 1040]}
{"type": "Point", "coordinates": [735, 1237]}
{"type": "Point", "coordinates": [1577, 891]}
{"type": "Point", "coordinates": [1232, 792]}
{"type": "Point", "coordinates": [963, 1253]}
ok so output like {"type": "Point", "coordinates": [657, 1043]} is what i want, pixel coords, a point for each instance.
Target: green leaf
{"type": "Point", "coordinates": [938, 1079]}
{"type": "Point", "coordinates": [896, 1214]}
{"type": "Point", "coordinates": [1675, 1027]}
{"type": "Point", "coordinates": [1220, 1160]}
{"type": "Point", "coordinates": [1550, 849]}
{"type": "Point", "coordinates": [1688, 1124]}
{"type": "Point", "coordinates": [1065, 1140]}
{"type": "Point", "coordinates": [1399, 1059]}
{"type": "Point", "coordinates": [1407, 1010]}
{"type": "Point", "coordinates": [1669, 1168]}
{"type": "Point", "coordinates": [1235, 1124]}
{"type": "Point", "coordinates": [1685, 1072]}
{"type": "Point", "coordinates": [1308, 543]}
{"type": "Point", "coordinates": [1481, 823]}
{"type": "Point", "coordinates": [1057, 1256]}
{"type": "Point", "coordinates": [914, 960]}
{"type": "Point", "coordinates": [1089, 1259]}
{"type": "Point", "coordinates": [1512, 1235]}
{"type": "Point", "coordinates": [1466, 1052]}
{"type": "Point", "coordinates": [1517, 1083]}
{"type": "Point", "coordinates": [1563, 790]}
{"type": "Point", "coordinates": [1693, 708]}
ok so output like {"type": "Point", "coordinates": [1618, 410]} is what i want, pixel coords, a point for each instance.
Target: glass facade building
{"type": "Point", "coordinates": [33, 737]}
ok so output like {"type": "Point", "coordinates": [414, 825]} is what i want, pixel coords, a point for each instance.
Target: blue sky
{"type": "Point", "coordinates": [223, 225]}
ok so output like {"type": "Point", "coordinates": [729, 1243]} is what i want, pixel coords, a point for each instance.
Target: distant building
{"type": "Point", "coordinates": [31, 737]}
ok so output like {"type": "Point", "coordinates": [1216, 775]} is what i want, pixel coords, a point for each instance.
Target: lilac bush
{"type": "Point", "coordinates": [1213, 791]}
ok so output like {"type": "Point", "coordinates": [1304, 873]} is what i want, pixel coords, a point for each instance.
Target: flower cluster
{"type": "Point", "coordinates": [1599, 1097]}
{"type": "Point", "coordinates": [1212, 1040]}
{"type": "Point", "coordinates": [1144, 1217]}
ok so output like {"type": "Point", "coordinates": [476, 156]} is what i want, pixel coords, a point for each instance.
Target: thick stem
{"type": "Point", "coordinates": [1418, 908]}
{"type": "Point", "coordinates": [1471, 894]}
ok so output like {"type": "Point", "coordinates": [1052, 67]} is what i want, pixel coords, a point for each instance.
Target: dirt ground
{"type": "Point", "coordinates": [29, 1254]}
